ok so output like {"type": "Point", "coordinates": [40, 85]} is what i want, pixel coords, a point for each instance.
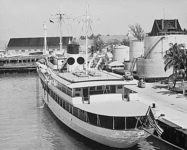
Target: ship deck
{"type": "Point", "coordinates": [76, 80]}
{"type": "Point", "coordinates": [115, 108]}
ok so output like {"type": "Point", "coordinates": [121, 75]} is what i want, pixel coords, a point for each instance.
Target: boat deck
{"type": "Point", "coordinates": [115, 108]}
{"type": "Point", "coordinates": [72, 80]}
{"type": "Point", "coordinates": [90, 76]}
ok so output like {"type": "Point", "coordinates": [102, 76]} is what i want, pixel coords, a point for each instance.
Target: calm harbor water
{"type": "Point", "coordinates": [24, 126]}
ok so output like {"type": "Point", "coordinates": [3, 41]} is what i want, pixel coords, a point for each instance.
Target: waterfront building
{"type": "Point", "coordinates": [35, 45]}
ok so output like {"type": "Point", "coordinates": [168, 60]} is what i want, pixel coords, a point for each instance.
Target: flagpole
{"type": "Point", "coordinates": [87, 19]}
{"type": "Point", "coordinates": [45, 39]}
{"type": "Point", "coordinates": [60, 14]}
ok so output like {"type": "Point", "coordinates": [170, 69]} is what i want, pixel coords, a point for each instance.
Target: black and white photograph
{"type": "Point", "coordinates": [93, 75]}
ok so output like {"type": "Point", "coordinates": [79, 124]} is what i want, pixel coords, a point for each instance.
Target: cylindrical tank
{"type": "Point", "coordinates": [152, 68]}
{"type": "Point", "coordinates": [136, 49]}
{"type": "Point", "coordinates": [157, 45]}
{"type": "Point", "coordinates": [121, 53]}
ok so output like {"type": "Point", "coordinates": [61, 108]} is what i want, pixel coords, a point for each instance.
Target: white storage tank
{"type": "Point", "coordinates": [159, 44]}
{"type": "Point", "coordinates": [136, 49]}
{"type": "Point", "coordinates": [121, 53]}
{"type": "Point", "coordinates": [152, 68]}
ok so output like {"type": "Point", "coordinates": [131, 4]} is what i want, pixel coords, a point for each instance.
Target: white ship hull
{"type": "Point", "coordinates": [111, 138]}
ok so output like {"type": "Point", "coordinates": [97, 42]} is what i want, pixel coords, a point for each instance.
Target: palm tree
{"type": "Point", "coordinates": [176, 58]}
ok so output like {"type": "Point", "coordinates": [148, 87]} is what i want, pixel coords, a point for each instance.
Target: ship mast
{"type": "Point", "coordinates": [60, 16]}
{"type": "Point", "coordinates": [60, 19]}
{"type": "Point", "coordinates": [87, 21]}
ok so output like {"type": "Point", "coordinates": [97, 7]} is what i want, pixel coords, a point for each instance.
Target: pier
{"type": "Point", "coordinates": [170, 110]}
{"type": "Point", "coordinates": [16, 64]}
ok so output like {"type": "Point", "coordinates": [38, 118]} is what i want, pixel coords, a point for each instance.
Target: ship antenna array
{"type": "Point", "coordinates": [60, 16]}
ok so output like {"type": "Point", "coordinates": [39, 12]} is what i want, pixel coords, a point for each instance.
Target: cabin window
{"type": "Point", "coordinates": [63, 88]}
{"type": "Point", "coordinates": [107, 87]}
{"type": "Point", "coordinates": [131, 122]}
{"type": "Point", "coordinates": [99, 87]}
{"type": "Point", "coordinates": [69, 92]}
{"type": "Point", "coordinates": [106, 122]}
{"type": "Point", "coordinates": [119, 86]}
{"type": "Point", "coordinates": [82, 115]}
{"type": "Point", "coordinates": [70, 109]}
{"type": "Point", "coordinates": [60, 101]}
{"type": "Point", "coordinates": [92, 118]}
{"type": "Point", "coordinates": [77, 94]}
{"type": "Point", "coordinates": [57, 99]}
{"type": "Point", "coordinates": [92, 88]}
{"type": "Point", "coordinates": [63, 104]}
{"type": "Point", "coordinates": [75, 111]}
{"type": "Point", "coordinates": [113, 89]}
{"type": "Point", "coordinates": [78, 89]}
{"type": "Point", "coordinates": [119, 123]}
{"type": "Point", "coordinates": [66, 106]}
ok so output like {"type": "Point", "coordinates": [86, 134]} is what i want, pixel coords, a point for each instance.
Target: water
{"type": "Point", "coordinates": [24, 126]}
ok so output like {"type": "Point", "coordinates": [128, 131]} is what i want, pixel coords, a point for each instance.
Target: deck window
{"type": "Point", "coordinates": [92, 88]}
{"type": "Point", "coordinates": [113, 89]}
{"type": "Point", "coordinates": [70, 109]}
{"type": "Point", "coordinates": [63, 104]}
{"type": "Point", "coordinates": [67, 106]}
{"type": "Point", "coordinates": [78, 89]}
{"type": "Point", "coordinates": [82, 115]}
{"type": "Point", "coordinates": [77, 94]}
{"type": "Point", "coordinates": [119, 86]}
{"type": "Point", "coordinates": [75, 111]}
{"type": "Point", "coordinates": [99, 87]}
{"type": "Point", "coordinates": [92, 118]}
{"type": "Point", "coordinates": [106, 121]}
{"type": "Point", "coordinates": [60, 101]}
{"type": "Point", "coordinates": [131, 122]}
{"type": "Point", "coordinates": [119, 123]}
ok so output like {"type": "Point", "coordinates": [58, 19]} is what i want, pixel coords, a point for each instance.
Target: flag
{"type": "Point", "coordinates": [153, 122]}
{"type": "Point", "coordinates": [51, 21]}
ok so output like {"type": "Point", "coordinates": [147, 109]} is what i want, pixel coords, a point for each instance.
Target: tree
{"type": "Point", "coordinates": [125, 42]}
{"type": "Point", "coordinates": [137, 31]}
{"type": "Point", "coordinates": [98, 44]}
{"type": "Point", "coordinates": [176, 58]}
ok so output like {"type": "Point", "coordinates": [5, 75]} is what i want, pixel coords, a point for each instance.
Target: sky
{"type": "Point", "coordinates": [25, 18]}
